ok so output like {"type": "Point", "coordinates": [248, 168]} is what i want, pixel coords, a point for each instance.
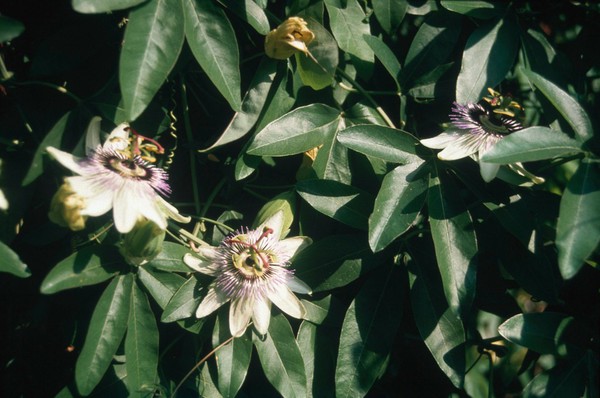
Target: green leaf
{"type": "Point", "coordinates": [295, 132]}
{"type": "Point", "coordinates": [252, 104]}
{"type": "Point", "coordinates": [233, 359]}
{"type": "Point", "coordinates": [341, 202]}
{"type": "Point", "coordinates": [455, 243]}
{"type": "Point", "coordinates": [170, 259]}
{"type": "Point", "coordinates": [397, 205]}
{"type": "Point", "coordinates": [349, 24]}
{"type": "Point", "coordinates": [11, 262]}
{"type": "Point", "coordinates": [334, 261]}
{"type": "Point", "coordinates": [568, 107]}
{"type": "Point", "coordinates": [53, 138]}
{"type": "Point", "coordinates": [102, 6]}
{"type": "Point", "coordinates": [332, 161]}
{"type": "Point", "coordinates": [214, 45]}
{"type": "Point", "coordinates": [10, 28]}
{"type": "Point", "coordinates": [428, 84]}
{"type": "Point", "coordinates": [152, 43]}
{"type": "Point", "coordinates": [141, 345]}
{"type": "Point", "coordinates": [184, 302]}
{"type": "Point", "coordinates": [368, 333]}
{"type": "Point", "coordinates": [88, 266]}
{"type": "Point", "coordinates": [578, 227]}
{"type": "Point", "coordinates": [391, 145]}
{"type": "Point", "coordinates": [440, 328]}
{"type": "Point", "coordinates": [161, 285]}
{"type": "Point", "coordinates": [385, 55]}
{"type": "Point", "coordinates": [390, 13]}
{"type": "Point", "coordinates": [530, 144]}
{"type": "Point", "coordinates": [544, 332]}
{"type": "Point", "coordinates": [280, 358]}
{"type": "Point", "coordinates": [284, 202]}
{"type": "Point", "coordinates": [250, 12]}
{"type": "Point", "coordinates": [564, 380]}
{"type": "Point", "coordinates": [105, 332]}
{"type": "Point", "coordinates": [476, 9]}
{"type": "Point", "coordinates": [325, 50]}
{"type": "Point", "coordinates": [317, 310]}
{"type": "Point", "coordinates": [433, 43]}
{"type": "Point", "coordinates": [488, 56]}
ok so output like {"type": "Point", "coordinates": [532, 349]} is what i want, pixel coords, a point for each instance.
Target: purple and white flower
{"type": "Point", "coordinates": [112, 177]}
{"type": "Point", "coordinates": [474, 131]}
{"type": "Point", "coordinates": [251, 270]}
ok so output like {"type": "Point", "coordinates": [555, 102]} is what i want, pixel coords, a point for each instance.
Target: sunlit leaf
{"type": "Point", "coordinates": [11, 262]}
{"type": "Point", "coordinates": [382, 142]}
{"type": "Point", "coordinates": [214, 45]}
{"type": "Point", "coordinates": [10, 28]}
{"type": "Point", "coordinates": [250, 12]}
{"type": "Point", "coordinates": [334, 261]}
{"type": "Point", "coordinates": [386, 56]}
{"type": "Point", "coordinates": [141, 345]}
{"type": "Point", "coordinates": [161, 285]}
{"type": "Point", "coordinates": [88, 266]}
{"type": "Point", "coordinates": [568, 107]}
{"type": "Point", "coordinates": [578, 228]}
{"type": "Point", "coordinates": [440, 328]}
{"type": "Point", "coordinates": [477, 9]}
{"type": "Point", "coordinates": [233, 359]}
{"type": "Point", "coordinates": [152, 43]}
{"type": "Point", "coordinates": [455, 243]}
{"type": "Point", "coordinates": [105, 332]}
{"type": "Point", "coordinates": [341, 202]}
{"type": "Point", "coordinates": [530, 144]}
{"type": "Point", "coordinates": [183, 303]}
{"type": "Point", "coordinates": [295, 132]}
{"type": "Point", "coordinates": [317, 310]}
{"type": "Point", "coordinates": [390, 13]}
{"type": "Point", "coordinates": [170, 259]}
{"type": "Point", "coordinates": [53, 138]}
{"type": "Point", "coordinates": [324, 49]}
{"type": "Point", "coordinates": [368, 333]}
{"type": "Point", "coordinates": [348, 24]}
{"type": "Point", "coordinates": [544, 332]}
{"type": "Point", "coordinates": [488, 56]}
{"type": "Point", "coordinates": [101, 6]}
{"type": "Point", "coordinates": [284, 202]}
{"type": "Point", "coordinates": [332, 161]}
{"type": "Point", "coordinates": [252, 104]}
{"type": "Point", "coordinates": [433, 43]}
{"type": "Point", "coordinates": [280, 358]}
{"type": "Point", "coordinates": [398, 203]}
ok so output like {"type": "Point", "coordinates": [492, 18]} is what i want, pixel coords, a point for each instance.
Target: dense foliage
{"type": "Point", "coordinates": [466, 272]}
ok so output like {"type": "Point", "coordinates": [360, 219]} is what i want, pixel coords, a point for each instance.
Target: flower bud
{"type": "Point", "coordinates": [289, 37]}
{"type": "Point", "coordinates": [65, 208]}
{"type": "Point", "coordinates": [142, 243]}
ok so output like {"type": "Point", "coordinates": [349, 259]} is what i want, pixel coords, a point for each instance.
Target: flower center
{"type": "Point", "coordinates": [252, 262]}
{"type": "Point", "coordinates": [128, 168]}
{"type": "Point", "coordinates": [491, 125]}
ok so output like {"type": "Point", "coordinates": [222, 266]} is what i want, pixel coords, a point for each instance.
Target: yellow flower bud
{"type": "Point", "coordinates": [289, 37]}
{"type": "Point", "coordinates": [65, 208]}
{"type": "Point", "coordinates": [142, 243]}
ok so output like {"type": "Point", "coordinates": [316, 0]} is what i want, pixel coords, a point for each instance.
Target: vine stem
{"type": "Point", "coordinates": [187, 125]}
{"type": "Point", "coordinates": [368, 96]}
{"type": "Point", "coordinates": [200, 364]}
{"type": "Point", "coordinates": [58, 88]}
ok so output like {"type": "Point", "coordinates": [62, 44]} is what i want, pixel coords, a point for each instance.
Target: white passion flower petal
{"type": "Point", "coordinates": [67, 160]}
{"type": "Point", "coordinates": [97, 200]}
{"type": "Point", "coordinates": [275, 222]}
{"type": "Point", "coordinates": [211, 302]}
{"type": "Point", "coordinates": [240, 314]}
{"type": "Point", "coordinates": [287, 302]}
{"type": "Point", "coordinates": [441, 140]}
{"type": "Point", "coordinates": [261, 315]}
{"type": "Point", "coordinates": [201, 264]}
{"type": "Point", "coordinates": [291, 246]}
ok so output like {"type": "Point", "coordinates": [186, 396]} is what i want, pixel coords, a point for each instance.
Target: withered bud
{"type": "Point", "coordinates": [65, 208]}
{"type": "Point", "coordinates": [289, 37]}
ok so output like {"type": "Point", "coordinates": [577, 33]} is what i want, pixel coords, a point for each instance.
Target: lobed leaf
{"type": "Point", "coordinates": [141, 345]}
{"type": "Point", "coordinates": [184, 302]}
{"type": "Point", "coordinates": [11, 262]}
{"type": "Point", "coordinates": [368, 333]}
{"type": "Point", "coordinates": [88, 266]}
{"type": "Point", "coordinates": [250, 12]}
{"type": "Point", "coordinates": [281, 359]}
{"type": "Point", "coordinates": [151, 45]}
{"type": "Point", "coordinates": [578, 227]}
{"type": "Point", "coordinates": [390, 13]}
{"type": "Point", "coordinates": [105, 332]}
{"type": "Point", "coordinates": [478, 9]}
{"type": "Point", "coordinates": [170, 259]}
{"type": "Point", "coordinates": [102, 6]}
{"type": "Point", "coordinates": [214, 45]}
{"type": "Point", "coordinates": [531, 144]}
{"type": "Point", "coordinates": [233, 359]}
{"type": "Point", "coordinates": [386, 56]}
{"type": "Point", "coordinates": [391, 145]}
{"type": "Point", "coordinates": [324, 49]}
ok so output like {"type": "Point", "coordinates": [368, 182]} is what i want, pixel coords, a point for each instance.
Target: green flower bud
{"type": "Point", "coordinates": [142, 243]}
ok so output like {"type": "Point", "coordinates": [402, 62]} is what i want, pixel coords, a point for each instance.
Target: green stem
{"type": "Point", "coordinates": [211, 198]}
{"type": "Point", "coordinates": [367, 96]}
{"type": "Point", "coordinates": [351, 89]}
{"type": "Point", "coordinates": [215, 222]}
{"type": "Point", "coordinates": [187, 125]}
{"type": "Point", "coordinates": [58, 88]}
